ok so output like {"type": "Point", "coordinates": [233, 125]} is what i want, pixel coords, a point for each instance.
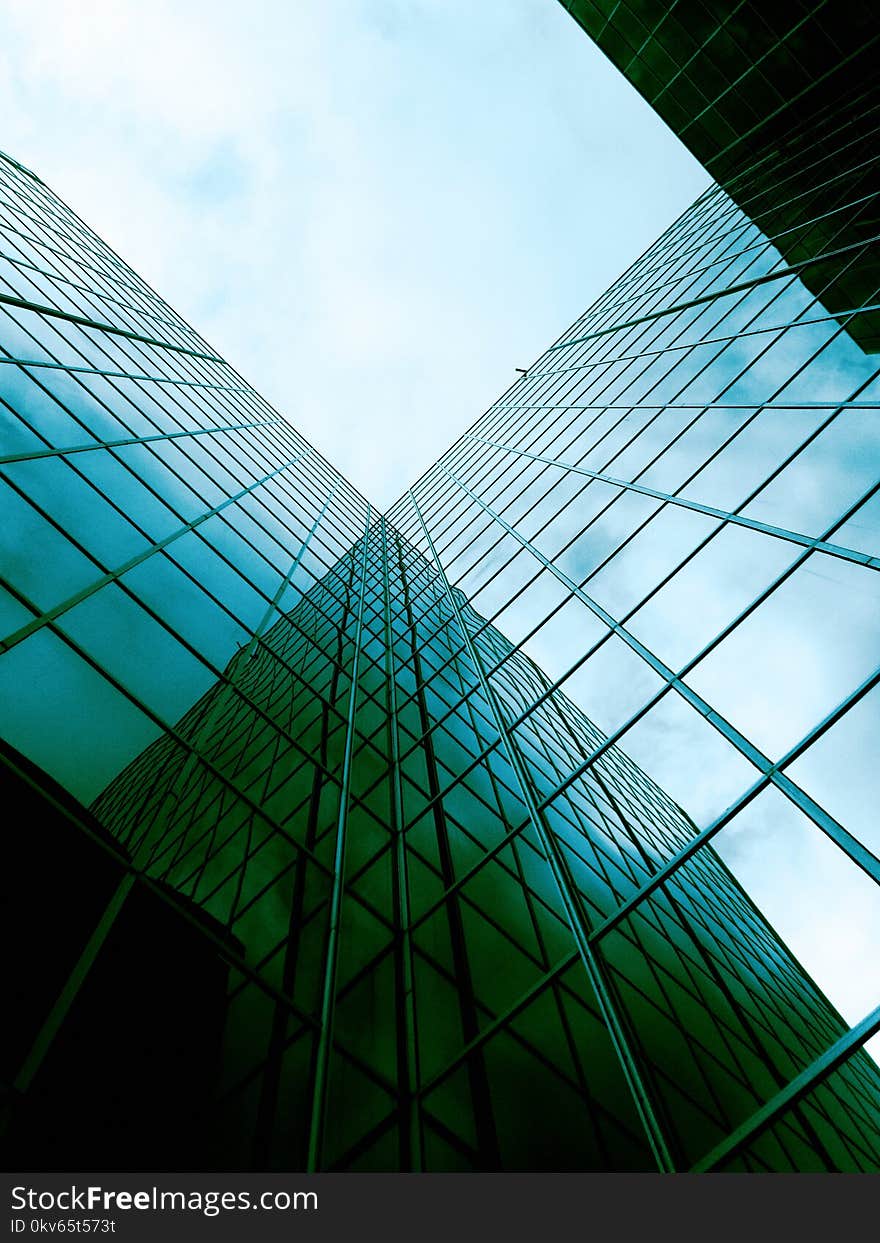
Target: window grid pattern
{"type": "Point", "coordinates": [477, 798]}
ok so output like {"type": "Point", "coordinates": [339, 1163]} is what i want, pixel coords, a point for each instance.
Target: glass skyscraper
{"type": "Point", "coordinates": [514, 827]}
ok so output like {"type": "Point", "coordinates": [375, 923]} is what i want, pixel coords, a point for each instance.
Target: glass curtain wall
{"type": "Point", "coordinates": [531, 822]}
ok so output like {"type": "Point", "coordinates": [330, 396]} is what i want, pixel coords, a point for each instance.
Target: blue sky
{"type": "Point", "coordinates": [375, 209]}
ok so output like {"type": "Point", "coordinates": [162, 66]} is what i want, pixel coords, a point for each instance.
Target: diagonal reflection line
{"type": "Point", "coordinates": [64, 606]}
{"type": "Point", "coordinates": [124, 375]}
{"type": "Point", "coordinates": [753, 524]}
{"type": "Point", "coordinates": [808, 739]}
{"type": "Point", "coordinates": [799, 797]}
{"type": "Point", "coordinates": [67, 450]}
{"type": "Point", "coordinates": [869, 862]}
{"type": "Point", "coordinates": [792, 270]}
{"type": "Point", "coordinates": [799, 1087]}
{"type": "Point", "coordinates": [83, 321]}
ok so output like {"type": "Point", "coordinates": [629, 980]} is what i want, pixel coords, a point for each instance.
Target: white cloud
{"type": "Point", "coordinates": [374, 210]}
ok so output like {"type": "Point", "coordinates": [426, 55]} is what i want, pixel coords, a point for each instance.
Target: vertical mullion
{"type": "Point", "coordinates": [486, 1133]}
{"type": "Point", "coordinates": [331, 962]}
{"type": "Point", "coordinates": [567, 893]}
{"type": "Point", "coordinates": [407, 1060]}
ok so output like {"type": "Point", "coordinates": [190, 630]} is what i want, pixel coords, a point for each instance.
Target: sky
{"type": "Point", "coordinates": [374, 209]}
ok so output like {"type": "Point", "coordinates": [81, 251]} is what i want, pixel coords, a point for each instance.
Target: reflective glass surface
{"type": "Point", "coordinates": [527, 825]}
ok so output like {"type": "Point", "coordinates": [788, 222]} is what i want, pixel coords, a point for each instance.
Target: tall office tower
{"type": "Point", "coordinates": [780, 105]}
{"type": "Point", "coordinates": [527, 825]}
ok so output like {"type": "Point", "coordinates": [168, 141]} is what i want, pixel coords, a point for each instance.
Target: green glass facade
{"type": "Point", "coordinates": [779, 102]}
{"type": "Point", "coordinates": [499, 830]}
